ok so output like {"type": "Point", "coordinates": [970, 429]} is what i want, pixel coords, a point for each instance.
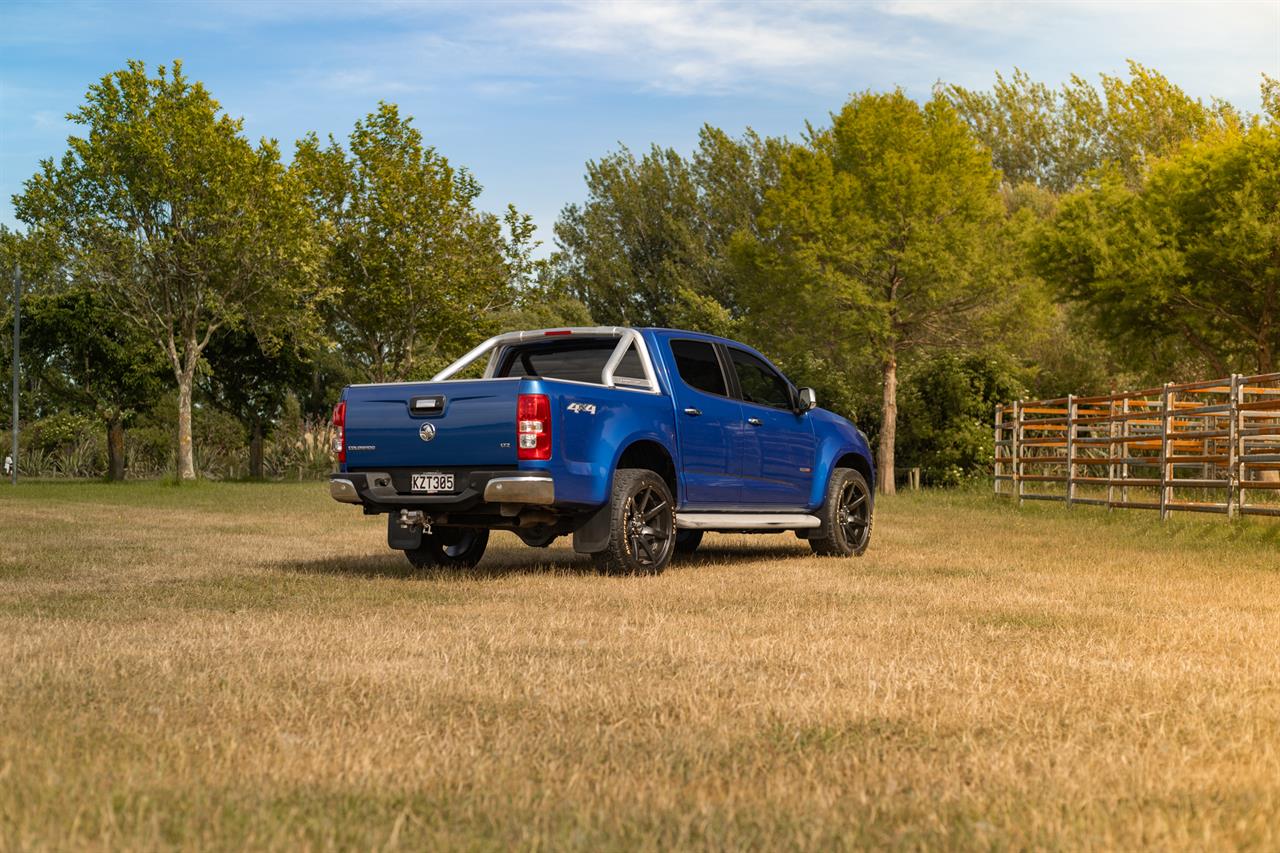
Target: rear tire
{"type": "Point", "coordinates": [450, 548]}
{"type": "Point", "coordinates": [846, 516]}
{"type": "Point", "coordinates": [687, 541]}
{"type": "Point", "coordinates": [642, 525]}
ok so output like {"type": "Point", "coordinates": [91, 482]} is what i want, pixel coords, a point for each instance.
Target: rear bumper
{"type": "Point", "coordinates": [378, 490]}
{"type": "Point", "coordinates": [539, 490]}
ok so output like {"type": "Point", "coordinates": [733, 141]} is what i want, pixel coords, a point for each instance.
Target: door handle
{"type": "Point", "coordinates": [754, 421]}
{"type": "Point", "coordinates": [692, 412]}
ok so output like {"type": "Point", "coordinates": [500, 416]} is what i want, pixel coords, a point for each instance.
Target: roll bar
{"type": "Point", "coordinates": [627, 338]}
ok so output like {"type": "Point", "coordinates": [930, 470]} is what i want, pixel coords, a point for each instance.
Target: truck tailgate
{"type": "Point", "coordinates": [430, 425]}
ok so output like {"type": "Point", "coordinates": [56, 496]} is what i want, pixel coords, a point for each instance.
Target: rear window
{"type": "Point", "coordinates": [575, 360]}
{"type": "Point", "coordinates": [698, 366]}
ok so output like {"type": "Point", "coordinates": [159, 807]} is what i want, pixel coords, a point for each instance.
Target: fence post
{"type": "Point", "coordinates": [1235, 495]}
{"type": "Point", "coordinates": [995, 447]}
{"type": "Point", "coordinates": [1166, 467]}
{"type": "Point", "coordinates": [1124, 449]}
{"type": "Point", "coordinates": [1112, 468]}
{"type": "Point", "coordinates": [1071, 449]}
{"type": "Point", "coordinates": [1017, 450]}
{"type": "Point", "coordinates": [1233, 430]}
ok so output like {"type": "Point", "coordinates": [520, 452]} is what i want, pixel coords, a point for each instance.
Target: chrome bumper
{"type": "Point", "coordinates": [377, 490]}
{"type": "Point", "coordinates": [344, 491]}
{"type": "Point", "coordinates": [521, 490]}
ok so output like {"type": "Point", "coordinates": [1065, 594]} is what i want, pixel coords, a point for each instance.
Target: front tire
{"type": "Point", "coordinates": [846, 516]}
{"type": "Point", "coordinates": [450, 548]}
{"type": "Point", "coordinates": [642, 525]}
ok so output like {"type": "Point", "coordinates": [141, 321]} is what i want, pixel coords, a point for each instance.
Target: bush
{"type": "Point", "coordinates": [946, 411]}
{"type": "Point", "coordinates": [299, 450]}
{"type": "Point", "coordinates": [59, 430]}
{"type": "Point", "coordinates": [64, 444]}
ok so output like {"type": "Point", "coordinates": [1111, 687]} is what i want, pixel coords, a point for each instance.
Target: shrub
{"type": "Point", "coordinates": [946, 414]}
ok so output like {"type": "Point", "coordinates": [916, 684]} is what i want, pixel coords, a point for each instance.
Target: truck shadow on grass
{"type": "Point", "coordinates": [506, 563]}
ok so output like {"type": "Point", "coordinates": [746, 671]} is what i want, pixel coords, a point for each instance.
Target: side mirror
{"type": "Point", "coordinates": [808, 399]}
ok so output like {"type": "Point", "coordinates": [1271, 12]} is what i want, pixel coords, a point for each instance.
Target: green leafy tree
{"type": "Point", "coordinates": [93, 363]}
{"type": "Point", "coordinates": [881, 239]}
{"type": "Point", "coordinates": [649, 246]}
{"type": "Point", "coordinates": [1270, 98]}
{"type": "Point", "coordinates": [251, 384]}
{"type": "Point", "coordinates": [1056, 137]}
{"type": "Point", "coordinates": [1033, 136]}
{"type": "Point", "coordinates": [39, 269]}
{"type": "Point", "coordinates": [180, 225]}
{"type": "Point", "coordinates": [419, 271]}
{"type": "Point", "coordinates": [79, 358]}
{"type": "Point", "coordinates": [1192, 255]}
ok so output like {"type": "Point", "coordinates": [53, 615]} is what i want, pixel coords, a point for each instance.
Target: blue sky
{"type": "Point", "coordinates": [525, 93]}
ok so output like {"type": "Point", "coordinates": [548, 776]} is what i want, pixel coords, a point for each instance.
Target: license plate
{"type": "Point", "coordinates": [431, 482]}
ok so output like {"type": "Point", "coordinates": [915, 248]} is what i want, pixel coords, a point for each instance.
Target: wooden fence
{"type": "Point", "coordinates": [1198, 447]}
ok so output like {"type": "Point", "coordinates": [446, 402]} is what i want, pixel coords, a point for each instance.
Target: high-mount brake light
{"type": "Point", "coordinates": [557, 332]}
{"type": "Point", "coordinates": [339, 446]}
{"type": "Point", "coordinates": [533, 426]}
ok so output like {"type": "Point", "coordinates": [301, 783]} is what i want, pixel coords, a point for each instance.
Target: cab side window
{"type": "Point", "coordinates": [760, 383]}
{"type": "Point", "coordinates": [698, 366]}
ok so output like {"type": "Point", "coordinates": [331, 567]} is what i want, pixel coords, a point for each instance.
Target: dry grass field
{"type": "Point", "coordinates": [229, 666]}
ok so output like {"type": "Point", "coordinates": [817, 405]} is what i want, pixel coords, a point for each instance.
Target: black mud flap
{"type": "Point", "coordinates": [593, 536]}
{"type": "Point", "coordinates": [400, 537]}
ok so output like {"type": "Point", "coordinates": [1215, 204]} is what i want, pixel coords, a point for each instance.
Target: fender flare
{"type": "Point", "coordinates": [830, 455]}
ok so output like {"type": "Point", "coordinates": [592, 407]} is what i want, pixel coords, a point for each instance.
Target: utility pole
{"type": "Point", "coordinates": [17, 331]}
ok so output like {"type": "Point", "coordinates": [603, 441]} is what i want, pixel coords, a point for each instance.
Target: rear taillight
{"type": "Point", "coordinates": [533, 427]}
{"type": "Point", "coordinates": [340, 431]}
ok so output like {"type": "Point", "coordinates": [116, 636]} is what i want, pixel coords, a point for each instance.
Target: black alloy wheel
{"type": "Point", "coordinates": [854, 514]}
{"type": "Point", "coordinates": [847, 516]}
{"type": "Point", "coordinates": [642, 525]}
{"type": "Point", "coordinates": [648, 527]}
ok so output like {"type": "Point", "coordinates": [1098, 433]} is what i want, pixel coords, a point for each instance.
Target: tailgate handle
{"type": "Point", "coordinates": [432, 404]}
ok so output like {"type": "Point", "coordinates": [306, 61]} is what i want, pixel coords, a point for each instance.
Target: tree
{"type": "Point", "coordinates": [1270, 98]}
{"type": "Point", "coordinates": [1192, 254]}
{"type": "Point", "coordinates": [251, 384]}
{"type": "Point", "coordinates": [417, 268]}
{"type": "Point", "coordinates": [77, 354]}
{"type": "Point", "coordinates": [649, 246]}
{"type": "Point", "coordinates": [880, 239]}
{"type": "Point", "coordinates": [93, 363]}
{"type": "Point", "coordinates": [1034, 135]}
{"type": "Point", "coordinates": [1056, 138]}
{"type": "Point", "coordinates": [177, 222]}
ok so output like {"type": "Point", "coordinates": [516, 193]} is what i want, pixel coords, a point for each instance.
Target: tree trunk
{"type": "Point", "coordinates": [888, 428]}
{"type": "Point", "coordinates": [186, 456]}
{"type": "Point", "coordinates": [255, 452]}
{"type": "Point", "coordinates": [115, 450]}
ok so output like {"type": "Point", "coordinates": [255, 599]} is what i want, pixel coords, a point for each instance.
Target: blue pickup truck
{"type": "Point", "coordinates": [633, 441]}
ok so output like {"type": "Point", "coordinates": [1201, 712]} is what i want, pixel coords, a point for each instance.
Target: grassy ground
{"type": "Point", "coordinates": [230, 665]}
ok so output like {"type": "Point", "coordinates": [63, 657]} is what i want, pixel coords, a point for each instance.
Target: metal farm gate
{"type": "Point", "coordinates": [1209, 446]}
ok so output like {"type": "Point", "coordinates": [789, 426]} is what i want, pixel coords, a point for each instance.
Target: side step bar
{"type": "Point", "coordinates": [745, 521]}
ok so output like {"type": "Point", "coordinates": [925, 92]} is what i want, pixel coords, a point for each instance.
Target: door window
{"type": "Point", "coordinates": [760, 383]}
{"type": "Point", "coordinates": [698, 366]}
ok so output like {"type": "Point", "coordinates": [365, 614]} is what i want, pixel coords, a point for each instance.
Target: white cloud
{"type": "Point", "coordinates": [687, 46]}
{"type": "Point", "coordinates": [1137, 21]}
